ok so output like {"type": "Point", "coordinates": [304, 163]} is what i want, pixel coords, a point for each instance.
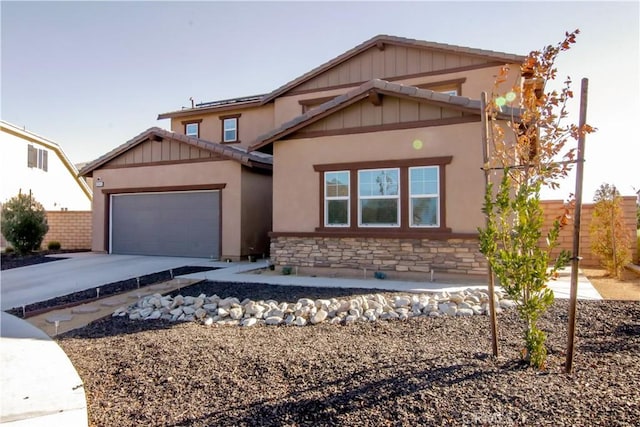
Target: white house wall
{"type": "Point", "coordinates": [56, 189]}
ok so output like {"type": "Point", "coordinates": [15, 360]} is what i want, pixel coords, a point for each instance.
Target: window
{"type": "Point", "coordinates": [230, 128]}
{"type": "Point", "coordinates": [448, 87]}
{"type": "Point", "coordinates": [379, 197]}
{"type": "Point", "coordinates": [192, 129]}
{"type": "Point", "coordinates": [391, 197]}
{"type": "Point", "coordinates": [37, 158]}
{"type": "Point", "coordinates": [424, 196]}
{"type": "Point", "coordinates": [336, 196]}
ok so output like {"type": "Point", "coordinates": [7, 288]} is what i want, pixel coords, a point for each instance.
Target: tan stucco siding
{"type": "Point", "coordinates": [296, 185]}
{"type": "Point", "coordinates": [253, 122]}
{"type": "Point", "coordinates": [172, 176]}
{"type": "Point", "coordinates": [256, 212]}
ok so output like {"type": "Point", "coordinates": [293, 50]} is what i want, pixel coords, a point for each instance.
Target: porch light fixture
{"type": "Point", "coordinates": [99, 182]}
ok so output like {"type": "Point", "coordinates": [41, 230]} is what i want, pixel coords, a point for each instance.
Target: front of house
{"type": "Point", "coordinates": [371, 160]}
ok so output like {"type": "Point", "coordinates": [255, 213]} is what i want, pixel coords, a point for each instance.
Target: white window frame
{"type": "Point", "coordinates": [234, 129]}
{"type": "Point", "coordinates": [327, 199]}
{"type": "Point", "coordinates": [379, 197]}
{"type": "Point", "coordinates": [435, 195]}
{"type": "Point", "coordinates": [197, 128]}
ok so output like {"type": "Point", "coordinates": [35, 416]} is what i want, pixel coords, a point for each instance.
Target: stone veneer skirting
{"type": "Point", "coordinates": [461, 256]}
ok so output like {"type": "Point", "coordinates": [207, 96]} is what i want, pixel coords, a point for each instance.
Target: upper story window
{"type": "Point", "coordinates": [192, 128]}
{"type": "Point", "coordinates": [230, 128]}
{"type": "Point", "coordinates": [448, 87]}
{"type": "Point", "coordinates": [310, 104]}
{"type": "Point", "coordinates": [37, 158]}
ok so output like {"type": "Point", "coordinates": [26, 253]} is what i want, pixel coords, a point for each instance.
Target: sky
{"type": "Point", "coordinates": [92, 75]}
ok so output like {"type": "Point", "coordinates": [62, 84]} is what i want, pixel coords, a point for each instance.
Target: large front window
{"type": "Point", "coordinates": [379, 198]}
{"type": "Point", "coordinates": [336, 193]}
{"type": "Point", "coordinates": [399, 197]}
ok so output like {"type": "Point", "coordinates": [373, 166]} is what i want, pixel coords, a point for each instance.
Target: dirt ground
{"type": "Point", "coordinates": [626, 288]}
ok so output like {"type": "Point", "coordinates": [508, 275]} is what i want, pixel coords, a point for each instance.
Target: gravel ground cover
{"type": "Point", "coordinates": [424, 371]}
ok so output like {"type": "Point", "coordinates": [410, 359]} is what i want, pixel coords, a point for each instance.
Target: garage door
{"type": "Point", "coordinates": [184, 223]}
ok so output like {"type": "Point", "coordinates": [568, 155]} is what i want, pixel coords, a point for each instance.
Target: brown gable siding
{"type": "Point", "coordinates": [154, 152]}
{"type": "Point", "coordinates": [392, 111]}
{"type": "Point", "coordinates": [391, 63]}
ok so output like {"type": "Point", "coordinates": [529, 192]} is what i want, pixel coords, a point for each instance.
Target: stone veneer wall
{"type": "Point", "coordinates": [422, 255]}
{"type": "Point", "coordinates": [384, 254]}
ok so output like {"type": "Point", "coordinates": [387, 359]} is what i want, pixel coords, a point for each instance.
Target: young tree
{"type": "Point", "coordinates": [530, 152]}
{"type": "Point", "coordinates": [609, 238]}
{"type": "Point", "coordinates": [24, 223]}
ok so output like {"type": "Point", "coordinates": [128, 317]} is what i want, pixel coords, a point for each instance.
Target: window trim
{"type": "Point", "coordinates": [435, 195]}
{"type": "Point", "coordinates": [381, 197]}
{"type": "Point", "coordinates": [223, 119]}
{"type": "Point", "coordinates": [327, 199]}
{"type": "Point", "coordinates": [404, 229]}
{"type": "Point", "coordinates": [37, 158]}
{"type": "Point", "coordinates": [445, 86]}
{"type": "Point", "coordinates": [185, 123]}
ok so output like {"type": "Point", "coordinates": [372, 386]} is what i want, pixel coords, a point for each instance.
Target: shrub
{"type": "Point", "coordinates": [24, 223]}
{"type": "Point", "coordinates": [609, 237]}
{"type": "Point", "coordinates": [54, 246]}
{"type": "Point", "coordinates": [9, 250]}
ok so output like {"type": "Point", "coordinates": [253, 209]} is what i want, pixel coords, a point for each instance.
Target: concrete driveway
{"type": "Point", "coordinates": [35, 283]}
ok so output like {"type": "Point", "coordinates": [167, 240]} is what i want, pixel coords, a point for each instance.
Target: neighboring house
{"type": "Point", "coordinates": [376, 162]}
{"type": "Point", "coordinates": [30, 162]}
{"type": "Point", "coordinates": [163, 193]}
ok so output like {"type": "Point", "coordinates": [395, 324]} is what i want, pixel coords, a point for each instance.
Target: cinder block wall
{"type": "Point", "coordinates": [71, 228]}
{"type": "Point", "coordinates": [554, 208]}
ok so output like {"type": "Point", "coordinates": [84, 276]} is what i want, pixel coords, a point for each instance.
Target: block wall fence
{"type": "Point", "coordinates": [71, 228]}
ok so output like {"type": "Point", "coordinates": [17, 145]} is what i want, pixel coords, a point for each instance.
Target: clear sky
{"type": "Point", "coordinates": [92, 75]}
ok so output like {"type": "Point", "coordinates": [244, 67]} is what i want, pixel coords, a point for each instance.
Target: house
{"type": "Point", "coordinates": [165, 193]}
{"type": "Point", "coordinates": [30, 162]}
{"type": "Point", "coordinates": [371, 160]}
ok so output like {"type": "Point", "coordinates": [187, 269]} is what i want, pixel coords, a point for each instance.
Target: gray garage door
{"type": "Point", "coordinates": [185, 223]}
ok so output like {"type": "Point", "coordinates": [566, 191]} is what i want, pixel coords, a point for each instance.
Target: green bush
{"type": "Point", "coordinates": [24, 223]}
{"type": "Point", "coordinates": [9, 250]}
{"type": "Point", "coordinates": [54, 246]}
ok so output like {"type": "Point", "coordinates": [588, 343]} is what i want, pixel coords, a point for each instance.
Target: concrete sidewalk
{"type": "Point", "coordinates": [40, 386]}
{"type": "Point", "coordinates": [40, 282]}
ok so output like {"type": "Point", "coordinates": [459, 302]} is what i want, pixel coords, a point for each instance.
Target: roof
{"type": "Point", "coordinates": [397, 41]}
{"type": "Point", "coordinates": [224, 104]}
{"type": "Point", "coordinates": [37, 139]}
{"type": "Point", "coordinates": [238, 154]}
{"type": "Point", "coordinates": [382, 87]}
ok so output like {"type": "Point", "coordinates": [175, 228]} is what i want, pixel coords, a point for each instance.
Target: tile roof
{"type": "Point", "coordinates": [383, 87]}
{"type": "Point", "coordinates": [238, 154]}
{"type": "Point", "coordinates": [399, 41]}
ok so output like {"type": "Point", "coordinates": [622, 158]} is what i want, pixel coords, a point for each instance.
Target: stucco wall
{"type": "Point", "coordinates": [256, 212]}
{"type": "Point", "coordinates": [296, 185]}
{"type": "Point", "coordinates": [252, 123]}
{"type": "Point", "coordinates": [167, 176]}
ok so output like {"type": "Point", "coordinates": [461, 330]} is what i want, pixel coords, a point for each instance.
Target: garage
{"type": "Point", "coordinates": [180, 223]}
